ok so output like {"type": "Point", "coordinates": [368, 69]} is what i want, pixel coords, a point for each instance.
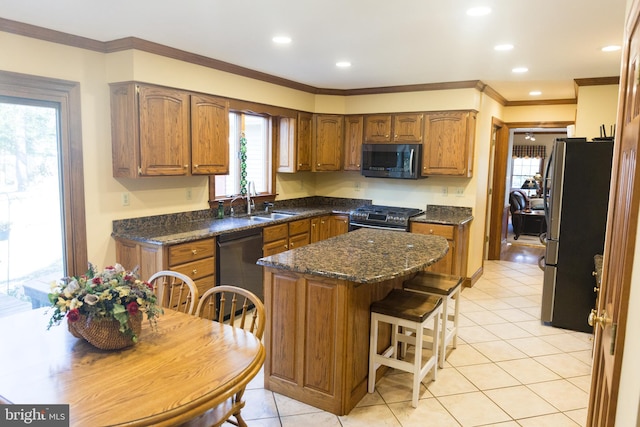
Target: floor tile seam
{"type": "Point", "coordinates": [493, 388]}
{"type": "Point", "coordinates": [460, 421]}
{"type": "Point", "coordinates": [551, 403]}
{"type": "Point", "coordinates": [512, 417]}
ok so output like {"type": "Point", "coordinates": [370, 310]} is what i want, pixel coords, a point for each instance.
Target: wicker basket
{"type": "Point", "coordinates": [105, 334]}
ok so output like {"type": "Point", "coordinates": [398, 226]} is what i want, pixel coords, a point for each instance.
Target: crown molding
{"type": "Point", "coordinates": [129, 43]}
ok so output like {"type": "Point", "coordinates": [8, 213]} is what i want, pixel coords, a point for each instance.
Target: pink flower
{"type": "Point", "coordinates": [132, 308]}
{"type": "Point", "coordinates": [73, 315]}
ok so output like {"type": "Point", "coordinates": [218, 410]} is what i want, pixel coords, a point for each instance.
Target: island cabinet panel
{"type": "Point", "coordinates": [324, 331]}
{"type": "Point", "coordinates": [327, 152]}
{"type": "Point", "coordinates": [448, 143]}
{"type": "Point", "coordinates": [284, 328]}
{"type": "Point", "coordinates": [353, 135]}
{"type": "Point", "coordinates": [455, 261]}
{"type": "Point", "coordinates": [317, 337]}
{"type": "Point", "coordinates": [209, 135]}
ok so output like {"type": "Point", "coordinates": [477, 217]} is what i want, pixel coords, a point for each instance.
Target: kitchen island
{"type": "Point", "coordinates": [317, 299]}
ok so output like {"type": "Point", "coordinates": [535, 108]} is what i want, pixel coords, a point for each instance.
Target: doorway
{"type": "Point", "coordinates": [42, 179]}
{"type": "Point", "coordinates": [498, 217]}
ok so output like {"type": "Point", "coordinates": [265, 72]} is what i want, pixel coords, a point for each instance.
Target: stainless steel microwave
{"type": "Point", "coordinates": [402, 161]}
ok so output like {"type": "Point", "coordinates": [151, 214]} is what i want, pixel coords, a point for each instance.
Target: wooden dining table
{"type": "Point", "coordinates": [173, 374]}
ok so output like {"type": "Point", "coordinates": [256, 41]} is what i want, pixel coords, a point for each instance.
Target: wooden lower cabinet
{"type": "Point", "coordinates": [455, 261]}
{"type": "Point", "coordinates": [317, 337]}
{"type": "Point", "coordinates": [195, 259]}
{"type": "Point", "coordinates": [326, 226]}
{"type": "Point", "coordinates": [282, 237]}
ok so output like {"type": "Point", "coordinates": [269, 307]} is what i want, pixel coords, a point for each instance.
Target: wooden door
{"type": "Point", "coordinates": [286, 145]}
{"type": "Point", "coordinates": [328, 143]}
{"type": "Point", "coordinates": [304, 142]}
{"type": "Point", "coordinates": [209, 135]}
{"type": "Point", "coordinates": [353, 142]}
{"type": "Point", "coordinates": [407, 128]}
{"type": "Point", "coordinates": [610, 319]}
{"type": "Point", "coordinates": [164, 131]}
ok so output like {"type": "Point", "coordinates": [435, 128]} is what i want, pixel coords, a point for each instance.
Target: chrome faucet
{"type": "Point", "coordinates": [239, 196]}
{"type": "Point", "coordinates": [250, 203]}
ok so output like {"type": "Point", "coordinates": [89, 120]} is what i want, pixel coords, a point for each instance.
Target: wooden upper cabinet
{"type": "Point", "coordinates": [353, 135]}
{"type": "Point", "coordinates": [164, 131]}
{"type": "Point", "coordinates": [209, 135]}
{"type": "Point", "coordinates": [407, 128]}
{"type": "Point", "coordinates": [377, 128]}
{"type": "Point", "coordinates": [327, 153]}
{"type": "Point", "coordinates": [448, 143]}
{"type": "Point", "coordinates": [159, 131]}
{"type": "Point", "coordinates": [304, 142]}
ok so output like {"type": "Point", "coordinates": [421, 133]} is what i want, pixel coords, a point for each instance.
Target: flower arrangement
{"type": "Point", "coordinates": [113, 294]}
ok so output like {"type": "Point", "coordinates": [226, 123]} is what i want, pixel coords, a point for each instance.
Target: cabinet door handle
{"type": "Point", "coordinates": [196, 166]}
{"type": "Point", "coordinates": [194, 251]}
{"type": "Point", "coordinates": [194, 271]}
{"type": "Point", "coordinates": [186, 166]}
{"type": "Point", "coordinates": [431, 231]}
{"type": "Point", "coordinates": [286, 247]}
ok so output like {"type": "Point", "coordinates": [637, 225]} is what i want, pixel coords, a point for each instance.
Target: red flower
{"type": "Point", "coordinates": [132, 308]}
{"type": "Point", "coordinates": [97, 280]}
{"type": "Point", "coordinates": [73, 315]}
{"type": "Point", "coordinates": [149, 285]}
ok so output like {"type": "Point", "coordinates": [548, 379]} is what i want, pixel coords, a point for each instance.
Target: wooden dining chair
{"type": "Point", "coordinates": [242, 309]}
{"type": "Point", "coordinates": [175, 291]}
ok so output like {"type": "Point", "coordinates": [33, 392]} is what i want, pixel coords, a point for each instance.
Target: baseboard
{"type": "Point", "coordinates": [470, 281]}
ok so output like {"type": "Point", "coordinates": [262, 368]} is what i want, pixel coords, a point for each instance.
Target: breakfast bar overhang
{"type": "Point", "coordinates": [317, 299]}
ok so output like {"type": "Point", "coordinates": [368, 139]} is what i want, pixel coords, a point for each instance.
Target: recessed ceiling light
{"type": "Point", "coordinates": [503, 47]}
{"type": "Point", "coordinates": [611, 48]}
{"type": "Point", "coordinates": [281, 39]}
{"type": "Point", "coordinates": [535, 93]}
{"type": "Point", "coordinates": [479, 11]}
{"type": "Point", "coordinates": [520, 70]}
{"type": "Point", "coordinates": [343, 64]}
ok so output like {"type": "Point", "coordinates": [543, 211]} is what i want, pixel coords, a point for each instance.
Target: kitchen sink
{"type": "Point", "coordinates": [270, 217]}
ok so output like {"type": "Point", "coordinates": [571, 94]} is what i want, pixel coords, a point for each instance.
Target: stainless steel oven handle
{"type": "Point", "coordinates": [377, 227]}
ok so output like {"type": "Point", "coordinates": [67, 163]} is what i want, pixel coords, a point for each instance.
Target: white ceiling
{"type": "Point", "coordinates": [389, 43]}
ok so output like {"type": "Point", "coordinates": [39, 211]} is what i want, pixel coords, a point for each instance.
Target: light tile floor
{"type": "Point", "coordinates": [508, 370]}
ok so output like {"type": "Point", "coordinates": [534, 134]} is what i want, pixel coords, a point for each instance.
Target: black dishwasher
{"type": "Point", "coordinates": [238, 252]}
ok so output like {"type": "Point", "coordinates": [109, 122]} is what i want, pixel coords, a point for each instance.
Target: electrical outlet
{"type": "Point", "coordinates": [125, 199]}
{"type": "Point", "coordinates": [459, 191]}
{"type": "Point", "coordinates": [445, 191]}
{"type": "Point", "coordinates": [357, 186]}
{"type": "Point", "coordinates": [189, 193]}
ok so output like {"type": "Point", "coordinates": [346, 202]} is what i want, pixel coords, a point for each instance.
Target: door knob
{"type": "Point", "coordinates": [595, 319]}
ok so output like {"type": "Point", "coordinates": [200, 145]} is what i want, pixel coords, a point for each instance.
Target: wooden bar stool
{"type": "Point", "coordinates": [411, 310]}
{"type": "Point", "coordinates": [448, 287]}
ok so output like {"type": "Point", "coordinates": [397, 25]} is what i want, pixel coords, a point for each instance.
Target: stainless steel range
{"type": "Point", "coordinates": [382, 217]}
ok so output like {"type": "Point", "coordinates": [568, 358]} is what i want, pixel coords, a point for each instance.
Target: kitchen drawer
{"type": "Point", "coordinates": [197, 269]}
{"type": "Point", "coordinates": [299, 240]}
{"type": "Point", "coordinates": [300, 226]}
{"type": "Point", "coordinates": [275, 232]}
{"type": "Point", "coordinates": [274, 247]}
{"type": "Point", "coordinates": [191, 251]}
{"type": "Point", "coordinates": [445, 231]}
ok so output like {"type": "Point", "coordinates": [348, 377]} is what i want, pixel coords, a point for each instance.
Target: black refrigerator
{"type": "Point", "coordinates": [576, 197]}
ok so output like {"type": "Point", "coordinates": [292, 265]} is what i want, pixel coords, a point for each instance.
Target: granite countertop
{"type": "Point", "coordinates": [363, 256]}
{"type": "Point", "coordinates": [187, 226]}
{"type": "Point", "coordinates": [448, 215]}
